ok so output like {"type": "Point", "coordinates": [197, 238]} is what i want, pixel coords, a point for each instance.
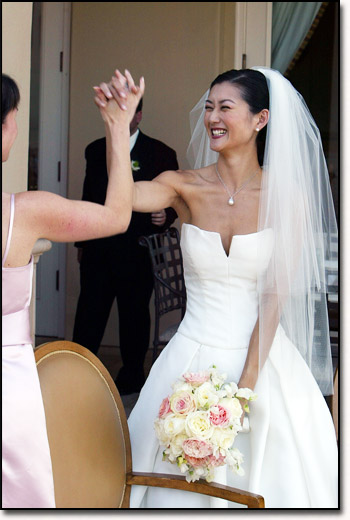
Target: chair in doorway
{"type": "Point", "coordinates": [89, 437]}
{"type": "Point", "coordinates": [169, 285]}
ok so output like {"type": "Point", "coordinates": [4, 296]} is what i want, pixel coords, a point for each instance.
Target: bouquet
{"type": "Point", "coordinates": [197, 424]}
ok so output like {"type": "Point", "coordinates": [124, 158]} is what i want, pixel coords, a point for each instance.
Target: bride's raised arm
{"type": "Point", "coordinates": [162, 192]}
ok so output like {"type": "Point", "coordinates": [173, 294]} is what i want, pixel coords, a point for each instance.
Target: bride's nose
{"type": "Point", "coordinates": [213, 116]}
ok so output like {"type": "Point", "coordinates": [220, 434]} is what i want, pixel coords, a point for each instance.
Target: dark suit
{"type": "Point", "coordinates": [118, 267]}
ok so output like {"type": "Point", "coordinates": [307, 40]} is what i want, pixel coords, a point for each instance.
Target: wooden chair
{"type": "Point", "coordinates": [169, 285]}
{"type": "Point", "coordinates": [89, 438]}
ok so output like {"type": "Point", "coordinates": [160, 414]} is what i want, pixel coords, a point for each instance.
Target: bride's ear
{"type": "Point", "coordinates": [263, 118]}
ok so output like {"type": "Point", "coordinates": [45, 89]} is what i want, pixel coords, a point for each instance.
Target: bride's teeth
{"type": "Point", "coordinates": [218, 132]}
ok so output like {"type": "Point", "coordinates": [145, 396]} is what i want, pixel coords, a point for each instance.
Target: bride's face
{"type": "Point", "coordinates": [228, 120]}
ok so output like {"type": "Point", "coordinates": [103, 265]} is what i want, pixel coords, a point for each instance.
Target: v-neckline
{"type": "Point", "coordinates": [227, 255]}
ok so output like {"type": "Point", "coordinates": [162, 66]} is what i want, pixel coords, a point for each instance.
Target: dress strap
{"type": "Point", "coordinates": [9, 235]}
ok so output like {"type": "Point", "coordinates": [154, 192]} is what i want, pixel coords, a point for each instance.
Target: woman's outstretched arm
{"type": "Point", "coordinates": [46, 215]}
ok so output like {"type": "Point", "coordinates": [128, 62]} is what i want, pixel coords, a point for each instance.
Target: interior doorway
{"type": "Point", "coordinates": [316, 76]}
{"type": "Point", "coordinates": [48, 140]}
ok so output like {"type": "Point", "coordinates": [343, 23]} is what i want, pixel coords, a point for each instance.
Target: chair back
{"type": "Point", "coordinates": [166, 258]}
{"type": "Point", "coordinates": [86, 426]}
{"type": "Point", "coordinates": [169, 284]}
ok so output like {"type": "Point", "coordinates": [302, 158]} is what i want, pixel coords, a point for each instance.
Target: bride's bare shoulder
{"type": "Point", "coordinates": [187, 176]}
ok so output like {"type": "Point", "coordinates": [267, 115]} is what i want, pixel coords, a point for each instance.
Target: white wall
{"type": "Point", "coordinates": [16, 50]}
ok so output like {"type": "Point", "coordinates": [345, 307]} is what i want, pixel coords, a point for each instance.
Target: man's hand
{"type": "Point", "coordinates": [159, 218]}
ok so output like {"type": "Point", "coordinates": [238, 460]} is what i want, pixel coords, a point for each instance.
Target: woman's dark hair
{"type": "Point", "coordinates": [10, 96]}
{"type": "Point", "coordinates": [254, 92]}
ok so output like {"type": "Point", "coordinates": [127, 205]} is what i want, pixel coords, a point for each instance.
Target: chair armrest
{"type": "Point", "coordinates": [201, 486]}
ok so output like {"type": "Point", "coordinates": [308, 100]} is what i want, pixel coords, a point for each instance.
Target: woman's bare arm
{"type": "Point", "coordinates": [46, 215]}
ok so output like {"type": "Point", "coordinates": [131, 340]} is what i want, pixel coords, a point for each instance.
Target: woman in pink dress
{"type": "Point", "coordinates": [27, 480]}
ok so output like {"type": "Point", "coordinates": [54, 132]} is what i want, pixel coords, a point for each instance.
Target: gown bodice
{"type": "Point", "coordinates": [222, 288]}
{"type": "Point", "coordinates": [16, 288]}
{"type": "Point", "coordinates": [16, 297]}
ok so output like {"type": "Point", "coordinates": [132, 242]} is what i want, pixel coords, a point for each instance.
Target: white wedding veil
{"type": "Point", "coordinates": [296, 205]}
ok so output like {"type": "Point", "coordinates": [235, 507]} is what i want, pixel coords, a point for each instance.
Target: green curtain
{"type": "Point", "coordinates": [291, 22]}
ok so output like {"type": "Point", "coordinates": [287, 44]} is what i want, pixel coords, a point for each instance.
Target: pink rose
{"type": "Point", "coordinates": [164, 408]}
{"type": "Point", "coordinates": [195, 448]}
{"type": "Point", "coordinates": [196, 378]}
{"type": "Point", "coordinates": [219, 416]}
{"type": "Point", "coordinates": [182, 403]}
{"type": "Point", "coordinates": [216, 461]}
{"type": "Point", "coordinates": [197, 463]}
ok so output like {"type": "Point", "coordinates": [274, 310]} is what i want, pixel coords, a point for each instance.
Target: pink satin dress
{"type": "Point", "coordinates": [27, 480]}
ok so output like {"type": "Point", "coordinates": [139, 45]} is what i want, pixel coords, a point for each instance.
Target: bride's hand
{"type": "Point", "coordinates": [118, 99]}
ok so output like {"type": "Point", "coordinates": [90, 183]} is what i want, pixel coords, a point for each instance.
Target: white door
{"type": "Point", "coordinates": [53, 82]}
{"type": "Point", "coordinates": [253, 28]}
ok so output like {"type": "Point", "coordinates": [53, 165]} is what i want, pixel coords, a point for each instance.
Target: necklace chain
{"type": "Point", "coordinates": [231, 200]}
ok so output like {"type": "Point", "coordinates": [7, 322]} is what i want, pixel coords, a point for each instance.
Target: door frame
{"type": "Point", "coordinates": [53, 156]}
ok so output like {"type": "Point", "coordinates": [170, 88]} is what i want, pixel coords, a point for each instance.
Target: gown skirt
{"type": "Point", "coordinates": [290, 451]}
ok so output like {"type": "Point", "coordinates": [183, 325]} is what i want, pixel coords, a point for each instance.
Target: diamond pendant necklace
{"type": "Point", "coordinates": [231, 200]}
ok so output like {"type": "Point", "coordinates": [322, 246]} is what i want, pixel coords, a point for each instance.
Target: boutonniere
{"type": "Point", "coordinates": [135, 166]}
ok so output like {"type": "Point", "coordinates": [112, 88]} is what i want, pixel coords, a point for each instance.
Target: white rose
{"type": "Point", "coordinates": [206, 396]}
{"type": "Point", "coordinates": [234, 459]}
{"type": "Point", "coordinates": [230, 389]}
{"type": "Point", "coordinates": [169, 456]}
{"type": "Point", "coordinates": [192, 477]}
{"type": "Point", "coordinates": [246, 393]}
{"type": "Point", "coordinates": [181, 386]}
{"type": "Point", "coordinates": [159, 428]}
{"type": "Point", "coordinates": [176, 444]}
{"type": "Point", "coordinates": [216, 378]}
{"type": "Point", "coordinates": [210, 475]}
{"type": "Point", "coordinates": [173, 425]}
{"type": "Point", "coordinates": [223, 438]}
{"type": "Point", "coordinates": [233, 406]}
{"type": "Point", "coordinates": [198, 425]}
{"type": "Point", "coordinates": [183, 468]}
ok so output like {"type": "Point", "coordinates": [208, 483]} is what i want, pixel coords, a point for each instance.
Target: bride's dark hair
{"type": "Point", "coordinates": [254, 92]}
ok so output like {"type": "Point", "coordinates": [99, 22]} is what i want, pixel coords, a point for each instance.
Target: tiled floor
{"type": "Point", "coordinates": [110, 357]}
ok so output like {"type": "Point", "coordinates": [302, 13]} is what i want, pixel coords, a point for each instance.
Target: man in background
{"type": "Point", "coordinates": [118, 267]}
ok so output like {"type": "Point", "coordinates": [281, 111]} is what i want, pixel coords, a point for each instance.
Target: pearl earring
{"type": "Point", "coordinates": [257, 129]}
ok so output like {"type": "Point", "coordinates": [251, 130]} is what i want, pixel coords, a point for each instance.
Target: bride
{"type": "Point", "coordinates": [257, 226]}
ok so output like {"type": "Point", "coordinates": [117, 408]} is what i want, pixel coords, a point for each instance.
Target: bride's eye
{"type": "Point", "coordinates": [208, 107]}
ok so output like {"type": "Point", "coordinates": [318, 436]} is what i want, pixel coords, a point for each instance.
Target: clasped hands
{"type": "Point", "coordinates": [119, 96]}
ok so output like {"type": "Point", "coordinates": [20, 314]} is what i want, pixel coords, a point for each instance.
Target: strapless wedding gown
{"type": "Point", "coordinates": [27, 479]}
{"type": "Point", "coordinates": [290, 452]}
